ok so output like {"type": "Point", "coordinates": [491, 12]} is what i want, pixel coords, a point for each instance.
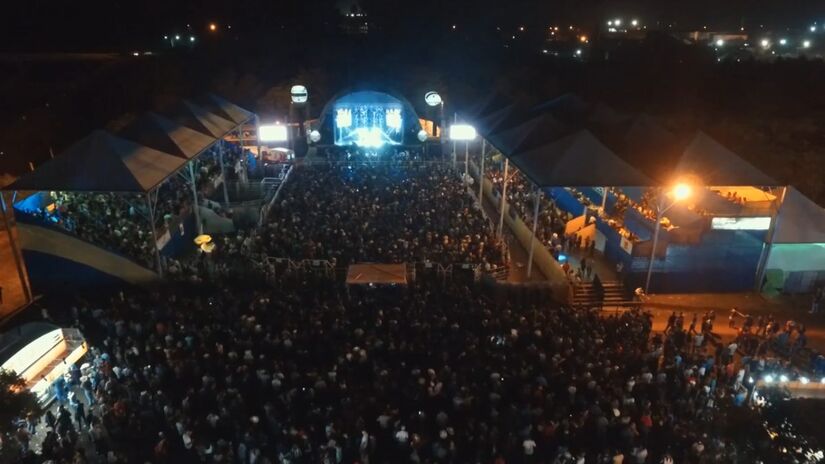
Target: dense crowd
{"type": "Point", "coordinates": [379, 212]}
{"type": "Point", "coordinates": [119, 222]}
{"type": "Point", "coordinates": [316, 374]}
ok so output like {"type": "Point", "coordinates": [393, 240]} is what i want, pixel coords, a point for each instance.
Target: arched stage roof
{"type": "Point", "coordinates": [373, 95]}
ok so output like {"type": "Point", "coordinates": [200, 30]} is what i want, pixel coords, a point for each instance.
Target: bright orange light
{"type": "Point", "coordinates": [682, 191]}
{"type": "Point", "coordinates": [583, 39]}
{"type": "Point", "coordinates": [213, 27]}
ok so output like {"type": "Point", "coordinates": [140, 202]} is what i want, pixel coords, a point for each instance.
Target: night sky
{"type": "Point", "coordinates": [51, 25]}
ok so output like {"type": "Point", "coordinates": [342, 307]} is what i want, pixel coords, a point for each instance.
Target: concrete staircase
{"type": "Point", "coordinates": [585, 295]}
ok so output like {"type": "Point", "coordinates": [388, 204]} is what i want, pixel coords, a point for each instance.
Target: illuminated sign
{"type": "Point", "coordinates": [740, 223]}
{"type": "Point", "coordinates": [272, 133]}
{"type": "Point", "coordinates": [299, 94]}
{"type": "Point", "coordinates": [432, 98]}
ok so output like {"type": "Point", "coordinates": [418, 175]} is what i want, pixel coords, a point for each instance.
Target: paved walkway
{"type": "Point", "coordinates": [782, 308]}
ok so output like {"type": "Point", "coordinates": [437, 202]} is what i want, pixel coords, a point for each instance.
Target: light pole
{"type": "Point", "coordinates": [464, 133]}
{"type": "Point", "coordinates": [680, 192]}
{"type": "Point", "coordinates": [481, 174]}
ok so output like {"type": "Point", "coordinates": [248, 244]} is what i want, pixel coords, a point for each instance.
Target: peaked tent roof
{"type": "Point", "coordinates": [102, 162]}
{"type": "Point", "coordinates": [225, 108]}
{"type": "Point", "coordinates": [155, 131]}
{"type": "Point", "coordinates": [577, 160]}
{"type": "Point", "coordinates": [568, 107]}
{"type": "Point", "coordinates": [197, 118]}
{"type": "Point", "coordinates": [716, 165]}
{"type": "Point", "coordinates": [530, 134]}
{"type": "Point", "coordinates": [800, 220]}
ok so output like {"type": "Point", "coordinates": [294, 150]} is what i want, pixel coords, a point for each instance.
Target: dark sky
{"type": "Point", "coordinates": [55, 24]}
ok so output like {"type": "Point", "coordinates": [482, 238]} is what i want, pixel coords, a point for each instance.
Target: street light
{"type": "Point", "coordinates": [465, 133]}
{"type": "Point", "coordinates": [680, 192]}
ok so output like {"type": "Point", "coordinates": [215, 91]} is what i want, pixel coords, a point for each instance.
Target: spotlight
{"type": "Point", "coordinates": [769, 379]}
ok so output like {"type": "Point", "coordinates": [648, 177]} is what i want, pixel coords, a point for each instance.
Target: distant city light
{"type": "Point", "coordinates": [579, 52]}
{"type": "Point", "coordinates": [583, 39]}
{"type": "Point", "coordinates": [783, 41]}
{"type": "Point", "coordinates": [806, 44]}
{"type": "Point", "coordinates": [765, 43]}
{"type": "Point", "coordinates": [177, 37]}
{"type": "Point", "coordinates": [635, 22]}
{"type": "Point", "coordinates": [617, 22]}
{"type": "Point", "coordinates": [521, 28]}
{"type": "Point", "coordinates": [213, 27]}
{"type": "Point", "coordinates": [135, 53]}
{"type": "Point", "coordinates": [166, 37]}
{"type": "Point", "coordinates": [813, 28]}
{"type": "Point", "coordinates": [191, 38]}
{"type": "Point", "coordinates": [610, 23]}
{"type": "Point", "coordinates": [720, 42]}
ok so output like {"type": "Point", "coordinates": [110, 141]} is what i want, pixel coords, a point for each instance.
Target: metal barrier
{"type": "Point", "coordinates": [267, 207]}
{"type": "Point", "coordinates": [277, 267]}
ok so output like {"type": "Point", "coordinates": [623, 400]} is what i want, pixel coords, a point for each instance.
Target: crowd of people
{"type": "Point", "coordinates": [387, 211]}
{"type": "Point", "coordinates": [311, 373]}
{"type": "Point", "coordinates": [119, 222]}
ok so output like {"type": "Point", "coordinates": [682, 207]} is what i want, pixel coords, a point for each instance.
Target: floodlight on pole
{"type": "Point", "coordinates": [299, 94]}
{"type": "Point", "coordinates": [680, 192]}
{"type": "Point", "coordinates": [462, 132]}
{"type": "Point", "coordinates": [273, 133]}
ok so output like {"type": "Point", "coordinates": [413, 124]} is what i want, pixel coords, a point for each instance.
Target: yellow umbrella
{"type": "Point", "coordinates": [208, 247]}
{"type": "Point", "coordinates": [201, 239]}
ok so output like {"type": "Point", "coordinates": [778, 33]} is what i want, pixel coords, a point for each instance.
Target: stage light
{"type": "Point", "coordinates": [804, 380]}
{"type": "Point", "coordinates": [783, 378]}
{"type": "Point", "coordinates": [432, 98]}
{"type": "Point", "coordinates": [369, 138]}
{"type": "Point", "coordinates": [314, 136]}
{"type": "Point", "coordinates": [768, 379]}
{"type": "Point", "coordinates": [343, 118]}
{"type": "Point", "coordinates": [272, 133]}
{"type": "Point", "coordinates": [806, 44]}
{"type": "Point", "coordinates": [422, 136]}
{"type": "Point", "coordinates": [393, 117]}
{"type": "Point", "coordinates": [720, 42]}
{"type": "Point", "coordinates": [462, 132]}
{"type": "Point", "coordinates": [299, 94]}
{"type": "Point", "coordinates": [822, 380]}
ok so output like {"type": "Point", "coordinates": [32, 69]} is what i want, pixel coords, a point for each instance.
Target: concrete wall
{"type": "Point", "coordinates": [542, 259]}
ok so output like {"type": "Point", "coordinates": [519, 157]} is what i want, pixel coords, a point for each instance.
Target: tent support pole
{"type": "Point", "coordinates": [504, 196]}
{"type": "Point", "coordinates": [18, 260]}
{"type": "Point", "coordinates": [481, 175]}
{"type": "Point", "coordinates": [151, 203]}
{"type": "Point", "coordinates": [466, 160]}
{"type": "Point", "coordinates": [223, 173]}
{"type": "Point", "coordinates": [536, 200]}
{"type": "Point", "coordinates": [243, 175]}
{"type": "Point", "coordinates": [194, 184]}
{"type": "Point", "coordinates": [604, 199]}
{"type": "Point", "coordinates": [257, 136]}
{"type": "Point", "coordinates": [762, 267]}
